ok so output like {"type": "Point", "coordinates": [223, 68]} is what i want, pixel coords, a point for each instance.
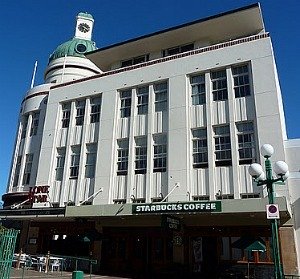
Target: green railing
{"type": "Point", "coordinates": [7, 246]}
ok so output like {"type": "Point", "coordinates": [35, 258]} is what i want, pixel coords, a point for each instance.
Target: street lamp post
{"type": "Point", "coordinates": [281, 170]}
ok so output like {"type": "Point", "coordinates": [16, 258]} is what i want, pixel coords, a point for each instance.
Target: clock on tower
{"type": "Point", "coordinates": [84, 26]}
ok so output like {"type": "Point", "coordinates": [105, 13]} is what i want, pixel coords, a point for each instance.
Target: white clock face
{"type": "Point", "coordinates": [84, 27]}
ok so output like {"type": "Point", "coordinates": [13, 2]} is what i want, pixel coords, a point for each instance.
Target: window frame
{"type": "Point", "coordinates": [241, 81]}
{"type": "Point", "coordinates": [125, 103]}
{"type": "Point", "coordinates": [80, 111]}
{"type": "Point", "coordinates": [90, 160]}
{"type": "Point", "coordinates": [219, 85]}
{"type": "Point", "coordinates": [142, 100]}
{"type": "Point", "coordinates": [66, 114]}
{"type": "Point", "coordinates": [246, 145]}
{"type": "Point", "coordinates": [201, 149]}
{"type": "Point", "coordinates": [161, 96]}
{"type": "Point", "coordinates": [75, 162]}
{"type": "Point", "coordinates": [35, 123]}
{"type": "Point", "coordinates": [27, 169]}
{"type": "Point", "coordinates": [123, 156]}
{"type": "Point", "coordinates": [198, 98]}
{"type": "Point", "coordinates": [222, 143]}
{"type": "Point", "coordinates": [160, 154]}
{"type": "Point", "coordinates": [95, 110]}
{"type": "Point", "coordinates": [60, 164]}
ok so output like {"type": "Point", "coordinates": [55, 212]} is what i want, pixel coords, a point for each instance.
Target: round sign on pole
{"type": "Point", "coordinates": [272, 211]}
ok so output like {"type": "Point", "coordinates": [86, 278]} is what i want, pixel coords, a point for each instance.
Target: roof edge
{"type": "Point", "coordinates": [176, 27]}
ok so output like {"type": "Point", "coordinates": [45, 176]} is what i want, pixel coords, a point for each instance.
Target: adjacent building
{"type": "Point", "coordinates": [144, 147]}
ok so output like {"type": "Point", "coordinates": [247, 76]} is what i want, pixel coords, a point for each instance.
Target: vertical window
{"type": "Point", "coordinates": [95, 110]}
{"type": "Point", "coordinates": [80, 109]}
{"type": "Point", "coordinates": [75, 159]}
{"type": "Point", "coordinates": [34, 124]}
{"type": "Point", "coordinates": [60, 163]}
{"type": "Point", "coordinates": [161, 96]}
{"type": "Point", "coordinates": [160, 153]}
{"type": "Point", "coordinates": [246, 142]}
{"type": "Point", "coordinates": [198, 90]}
{"type": "Point", "coordinates": [27, 169]}
{"type": "Point", "coordinates": [241, 81]}
{"type": "Point", "coordinates": [91, 155]}
{"type": "Point", "coordinates": [143, 96]}
{"type": "Point", "coordinates": [122, 157]}
{"type": "Point", "coordinates": [24, 126]}
{"type": "Point", "coordinates": [222, 145]}
{"type": "Point", "coordinates": [141, 155]}
{"type": "Point", "coordinates": [66, 111]}
{"type": "Point", "coordinates": [125, 97]}
{"type": "Point", "coordinates": [219, 85]}
{"type": "Point", "coordinates": [17, 171]}
{"type": "Point", "coordinates": [200, 155]}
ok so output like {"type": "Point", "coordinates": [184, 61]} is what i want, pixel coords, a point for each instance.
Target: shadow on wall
{"type": "Point", "coordinates": [296, 213]}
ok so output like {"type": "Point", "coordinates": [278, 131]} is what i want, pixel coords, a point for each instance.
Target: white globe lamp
{"type": "Point", "coordinates": [267, 150]}
{"type": "Point", "coordinates": [255, 170]}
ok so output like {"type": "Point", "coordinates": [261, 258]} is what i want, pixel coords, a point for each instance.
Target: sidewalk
{"type": "Point", "coordinates": [32, 274]}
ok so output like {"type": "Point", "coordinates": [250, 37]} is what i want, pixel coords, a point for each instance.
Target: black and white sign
{"type": "Point", "coordinates": [272, 211]}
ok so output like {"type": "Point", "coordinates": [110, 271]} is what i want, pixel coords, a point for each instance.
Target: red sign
{"type": "Point", "coordinates": [38, 194]}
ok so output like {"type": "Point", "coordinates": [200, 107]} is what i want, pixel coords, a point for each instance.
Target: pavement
{"type": "Point", "coordinates": [33, 274]}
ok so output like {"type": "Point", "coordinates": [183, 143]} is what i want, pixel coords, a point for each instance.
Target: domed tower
{"type": "Point", "coordinates": [68, 62]}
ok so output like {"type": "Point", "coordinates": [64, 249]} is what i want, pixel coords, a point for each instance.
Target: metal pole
{"type": "Point", "coordinates": [274, 224]}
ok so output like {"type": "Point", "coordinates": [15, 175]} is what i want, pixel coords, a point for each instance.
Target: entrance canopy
{"type": "Point", "coordinates": [250, 244]}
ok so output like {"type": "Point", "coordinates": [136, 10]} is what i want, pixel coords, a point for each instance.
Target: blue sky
{"type": "Point", "coordinates": [30, 30]}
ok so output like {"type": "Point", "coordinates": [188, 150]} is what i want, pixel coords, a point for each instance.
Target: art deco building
{"type": "Point", "coordinates": [145, 147]}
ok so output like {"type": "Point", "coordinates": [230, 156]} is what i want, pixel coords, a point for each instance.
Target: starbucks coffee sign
{"type": "Point", "coordinates": [176, 207]}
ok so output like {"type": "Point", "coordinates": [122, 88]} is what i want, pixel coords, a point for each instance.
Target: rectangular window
{"type": "Point", "coordinates": [80, 109]}
{"type": "Point", "coordinates": [60, 163]}
{"type": "Point", "coordinates": [66, 111]}
{"type": "Point", "coordinates": [135, 60]}
{"type": "Point", "coordinates": [161, 96]}
{"type": "Point", "coordinates": [219, 85]}
{"type": "Point", "coordinates": [91, 155]}
{"type": "Point", "coordinates": [35, 123]}
{"type": "Point", "coordinates": [75, 159]}
{"type": "Point", "coordinates": [141, 155]}
{"type": "Point", "coordinates": [198, 89]}
{"type": "Point", "coordinates": [24, 126]}
{"type": "Point", "coordinates": [27, 169]}
{"type": "Point", "coordinates": [143, 97]}
{"type": "Point", "coordinates": [241, 81]}
{"type": "Point", "coordinates": [95, 110]}
{"type": "Point", "coordinates": [160, 153]}
{"type": "Point", "coordinates": [17, 171]}
{"type": "Point", "coordinates": [200, 155]}
{"type": "Point", "coordinates": [222, 145]}
{"type": "Point", "coordinates": [125, 97]}
{"type": "Point", "coordinates": [246, 142]}
{"type": "Point", "coordinates": [178, 49]}
{"type": "Point", "coordinates": [123, 150]}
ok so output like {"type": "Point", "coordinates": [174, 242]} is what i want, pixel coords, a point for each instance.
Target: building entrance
{"type": "Point", "coordinates": [137, 252]}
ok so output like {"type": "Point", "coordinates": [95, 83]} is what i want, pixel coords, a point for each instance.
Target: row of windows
{"type": "Point", "coordinates": [159, 155]}
{"type": "Point", "coordinates": [142, 93]}
{"type": "Point", "coordinates": [80, 112]}
{"type": "Point", "coordinates": [90, 163]}
{"type": "Point", "coordinates": [222, 142]}
{"type": "Point", "coordinates": [198, 91]}
{"type": "Point", "coordinates": [166, 52]}
{"type": "Point", "coordinates": [241, 83]}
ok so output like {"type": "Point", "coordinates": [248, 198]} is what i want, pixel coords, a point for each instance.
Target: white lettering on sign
{"type": "Point", "coordinates": [175, 207]}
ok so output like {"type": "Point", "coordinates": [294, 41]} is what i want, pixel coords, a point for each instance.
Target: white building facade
{"type": "Point", "coordinates": [165, 125]}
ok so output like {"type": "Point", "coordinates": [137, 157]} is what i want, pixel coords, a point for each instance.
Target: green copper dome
{"type": "Point", "coordinates": [75, 47]}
